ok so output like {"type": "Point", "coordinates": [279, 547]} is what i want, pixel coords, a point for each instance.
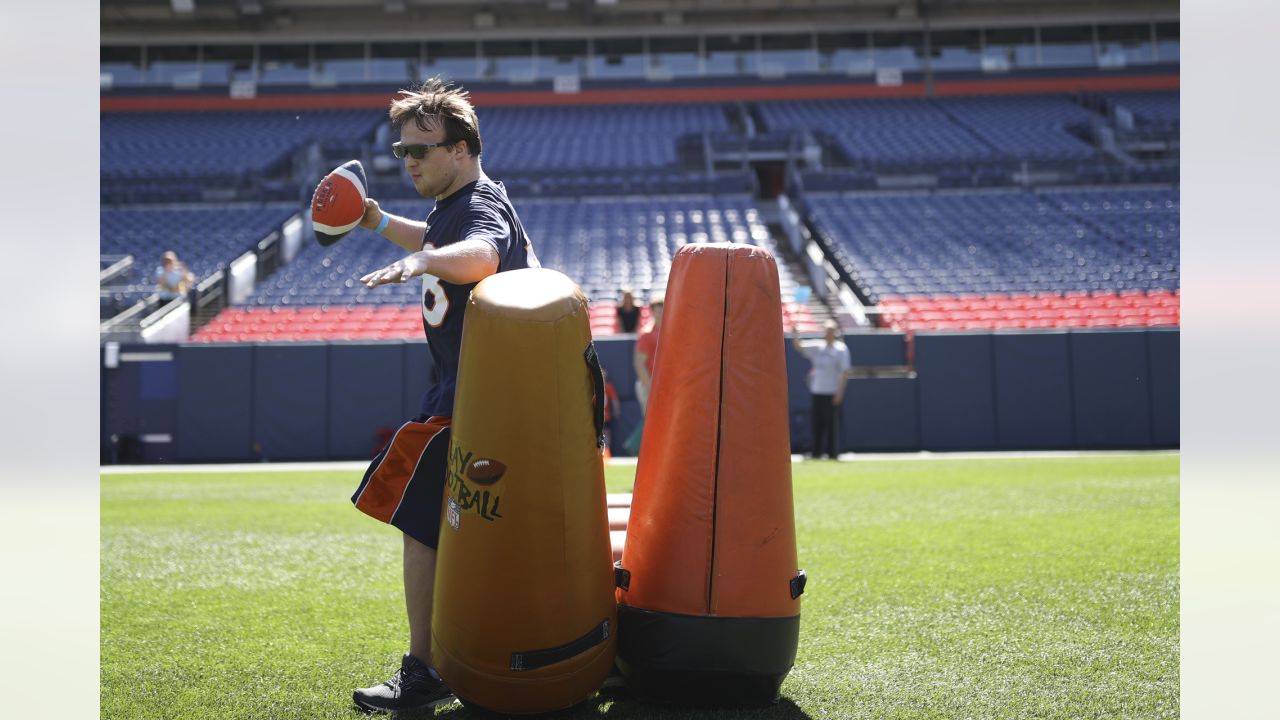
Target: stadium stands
{"type": "Point", "coordinates": [608, 194]}
{"type": "Point", "coordinates": [1072, 309]}
{"type": "Point", "coordinates": [1153, 107]}
{"type": "Point", "coordinates": [975, 130]}
{"type": "Point", "coordinates": [881, 132]}
{"type": "Point", "coordinates": [1146, 116]}
{"type": "Point", "coordinates": [602, 244]}
{"type": "Point", "coordinates": [206, 238]}
{"type": "Point", "coordinates": [996, 249]}
{"type": "Point", "coordinates": [558, 139]}
{"type": "Point", "coordinates": [150, 157]}
{"type": "Point", "coordinates": [1024, 127]}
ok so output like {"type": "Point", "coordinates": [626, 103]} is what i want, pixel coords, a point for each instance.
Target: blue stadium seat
{"type": "Point", "coordinates": [1004, 241]}
{"type": "Point", "coordinates": [213, 148]}
{"type": "Point", "coordinates": [206, 238]}
{"type": "Point", "coordinates": [603, 244]}
{"type": "Point", "coordinates": [566, 139]}
{"type": "Point", "coordinates": [888, 133]}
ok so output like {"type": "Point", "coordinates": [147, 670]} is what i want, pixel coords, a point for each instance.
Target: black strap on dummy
{"type": "Point", "coordinates": [621, 576]}
{"type": "Point", "coordinates": [798, 583]}
{"type": "Point", "coordinates": [597, 376]}
{"type": "Point", "coordinates": [534, 659]}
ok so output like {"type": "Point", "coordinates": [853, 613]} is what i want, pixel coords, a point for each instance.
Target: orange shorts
{"type": "Point", "coordinates": [404, 485]}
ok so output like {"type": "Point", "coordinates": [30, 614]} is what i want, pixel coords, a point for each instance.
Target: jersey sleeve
{"type": "Point", "coordinates": [486, 224]}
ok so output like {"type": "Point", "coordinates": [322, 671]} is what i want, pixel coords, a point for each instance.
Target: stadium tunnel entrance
{"type": "Point", "coordinates": [771, 178]}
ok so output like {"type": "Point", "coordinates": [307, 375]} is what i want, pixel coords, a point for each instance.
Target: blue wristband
{"type": "Point", "coordinates": [383, 223]}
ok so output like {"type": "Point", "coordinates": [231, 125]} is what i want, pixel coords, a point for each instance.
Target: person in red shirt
{"type": "Point", "coordinates": [646, 351]}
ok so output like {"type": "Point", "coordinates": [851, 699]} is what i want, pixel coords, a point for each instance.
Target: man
{"type": "Point", "coordinates": [827, 378]}
{"type": "Point", "coordinates": [472, 232]}
{"type": "Point", "coordinates": [645, 352]}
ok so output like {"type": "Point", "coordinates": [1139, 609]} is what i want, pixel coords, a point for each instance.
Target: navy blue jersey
{"type": "Point", "coordinates": [478, 211]}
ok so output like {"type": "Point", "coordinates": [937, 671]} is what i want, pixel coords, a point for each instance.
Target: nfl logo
{"type": "Point", "coordinates": [454, 514]}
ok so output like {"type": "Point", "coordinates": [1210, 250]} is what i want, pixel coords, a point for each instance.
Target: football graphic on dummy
{"type": "Point", "coordinates": [338, 203]}
{"type": "Point", "coordinates": [484, 471]}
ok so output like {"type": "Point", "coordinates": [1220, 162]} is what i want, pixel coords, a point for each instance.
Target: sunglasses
{"type": "Point", "coordinates": [417, 152]}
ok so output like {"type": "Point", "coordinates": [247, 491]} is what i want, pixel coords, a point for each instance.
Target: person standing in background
{"type": "Point", "coordinates": [646, 351]}
{"type": "Point", "coordinates": [612, 410]}
{"type": "Point", "coordinates": [628, 313]}
{"type": "Point", "coordinates": [830, 360]}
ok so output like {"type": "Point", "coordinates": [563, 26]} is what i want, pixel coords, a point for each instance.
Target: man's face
{"type": "Point", "coordinates": [831, 335]}
{"type": "Point", "coordinates": [437, 170]}
{"type": "Point", "coordinates": [656, 311]}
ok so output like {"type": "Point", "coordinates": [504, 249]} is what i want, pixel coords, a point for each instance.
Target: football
{"type": "Point", "coordinates": [338, 203]}
{"type": "Point", "coordinates": [484, 471]}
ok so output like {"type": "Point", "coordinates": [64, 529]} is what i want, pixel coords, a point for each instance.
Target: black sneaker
{"type": "Point", "coordinates": [413, 687]}
{"type": "Point", "coordinates": [615, 679]}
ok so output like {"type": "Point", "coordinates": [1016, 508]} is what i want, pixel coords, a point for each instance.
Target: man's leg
{"type": "Point", "coordinates": [414, 686]}
{"type": "Point", "coordinates": [833, 427]}
{"type": "Point", "coordinates": [817, 426]}
{"type": "Point", "coordinates": [419, 584]}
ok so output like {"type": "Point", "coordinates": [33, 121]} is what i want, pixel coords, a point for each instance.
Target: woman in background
{"type": "Point", "coordinates": [628, 313]}
{"type": "Point", "coordinates": [173, 279]}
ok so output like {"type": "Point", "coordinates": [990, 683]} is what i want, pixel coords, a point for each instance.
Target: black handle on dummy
{"type": "Point", "coordinates": [597, 376]}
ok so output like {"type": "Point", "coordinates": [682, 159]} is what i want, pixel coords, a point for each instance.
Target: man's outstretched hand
{"type": "Point", "coordinates": [399, 271]}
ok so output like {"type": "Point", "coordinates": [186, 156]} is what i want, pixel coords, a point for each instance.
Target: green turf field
{"type": "Point", "coordinates": [1005, 588]}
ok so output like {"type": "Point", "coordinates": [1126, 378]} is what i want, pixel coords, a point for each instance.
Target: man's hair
{"type": "Point", "coordinates": [434, 103]}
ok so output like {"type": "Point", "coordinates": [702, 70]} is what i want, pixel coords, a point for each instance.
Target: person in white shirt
{"type": "Point", "coordinates": [830, 360]}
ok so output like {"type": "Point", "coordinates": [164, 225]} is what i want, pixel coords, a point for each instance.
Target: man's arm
{"type": "Point", "coordinates": [638, 360]}
{"type": "Point", "coordinates": [795, 342]}
{"type": "Point", "coordinates": [846, 372]}
{"type": "Point", "coordinates": [400, 230]}
{"type": "Point", "coordinates": [460, 263]}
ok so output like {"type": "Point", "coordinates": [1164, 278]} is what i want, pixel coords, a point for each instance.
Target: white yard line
{"type": "Point", "coordinates": [361, 465]}
{"type": "Point", "coordinates": [342, 465]}
{"type": "Point", "coordinates": [994, 455]}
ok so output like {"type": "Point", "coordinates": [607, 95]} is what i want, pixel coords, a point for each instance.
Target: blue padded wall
{"type": "Point", "coordinates": [215, 387]}
{"type": "Point", "coordinates": [366, 395]}
{"type": "Point", "coordinates": [1111, 389]}
{"type": "Point", "coordinates": [623, 426]}
{"type": "Point", "coordinates": [799, 401]}
{"type": "Point", "coordinates": [616, 359]}
{"type": "Point", "coordinates": [879, 414]}
{"type": "Point", "coordinates": [956, 389]}
{"type": "Point", "coordinates": [877, 349]}
{"type": "Point", "coordinates": [418, 370]}
{"type": "Point", "coordinates": [290, 401]}
{"type": "Point", "coordinates": [139, 400]}
{"type": "Point", "coordinates": [1033, 391]}
{"type": "Point", "coordinates": [1093, 389]}
{"type": "Point", "coordinates": [1162, 348]}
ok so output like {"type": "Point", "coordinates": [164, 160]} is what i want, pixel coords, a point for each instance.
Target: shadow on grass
{"type": "Point", "coordinates": [618, 704]}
